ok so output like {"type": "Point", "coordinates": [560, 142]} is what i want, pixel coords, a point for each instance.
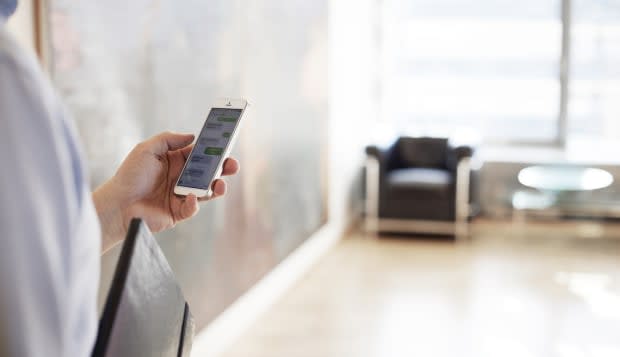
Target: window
{"type": "Point", "coordinates": [594, 79]}
{"type": "Point", "coordinates": [493, 68]}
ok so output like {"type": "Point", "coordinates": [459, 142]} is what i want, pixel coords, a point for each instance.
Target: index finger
{"type": "Point", "coordinates": [168, 141]}
{"type": "Point", "coordinates": [231, 167]}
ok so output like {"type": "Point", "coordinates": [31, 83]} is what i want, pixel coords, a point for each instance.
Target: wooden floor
{"type": "Point", "coordinates": [521, 291]}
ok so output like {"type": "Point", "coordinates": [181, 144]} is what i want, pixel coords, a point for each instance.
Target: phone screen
{"type": "Point", "coordinates": [209, 148]}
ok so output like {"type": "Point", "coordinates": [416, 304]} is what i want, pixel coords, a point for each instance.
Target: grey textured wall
{"type": "Point", "coordinates": [130, 69]}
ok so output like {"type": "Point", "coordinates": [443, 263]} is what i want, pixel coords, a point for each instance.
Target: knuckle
{"type": "Point", "coordinates": [140, 146]}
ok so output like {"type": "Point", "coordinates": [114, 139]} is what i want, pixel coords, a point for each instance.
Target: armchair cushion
{"type": "Point", "coordinates": [419, 184]}
{"type": "Point", "coordinates": [429, 179]}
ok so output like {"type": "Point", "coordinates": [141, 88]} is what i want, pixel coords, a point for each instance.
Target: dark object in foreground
{"type": "Point", "coordinates": [145, 313]}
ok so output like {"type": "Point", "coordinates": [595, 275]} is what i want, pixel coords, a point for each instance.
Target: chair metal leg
{"type": "Point", "coordinates": [372, 195]}
{"type": "Point", "coordinates": [463, 171]}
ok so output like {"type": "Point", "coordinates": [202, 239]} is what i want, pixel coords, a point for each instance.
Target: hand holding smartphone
{"type": "Point", "coordinates": [212, 147]}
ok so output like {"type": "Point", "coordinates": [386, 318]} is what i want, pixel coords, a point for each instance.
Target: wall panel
{"type": "Point", "coordinates": [130, 69]}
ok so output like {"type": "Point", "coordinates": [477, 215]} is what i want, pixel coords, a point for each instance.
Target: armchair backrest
{"type": "Point", "coordinates": [420, 152]}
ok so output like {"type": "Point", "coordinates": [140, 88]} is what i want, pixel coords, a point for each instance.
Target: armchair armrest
{"type": "Point", "coordinates": [456, 155]}
{"type": "Point", "coordinates": [375, 151]}
{"type": "Point", "coordinates": [461, 152]}
{"type": "Point", "coordinates": [381, 155]}
{"type": "Point", "coordinates": [376, 162]}
{"type": "Point", "coordinates": [463, 155]}
{"type": "Point", "coordinates": [459, 162]}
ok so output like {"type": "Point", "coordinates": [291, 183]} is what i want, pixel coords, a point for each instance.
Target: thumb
{"type": "Point", "coordinates": [168, 141]}
{"type": "Point", "coordinates": [189, 207]}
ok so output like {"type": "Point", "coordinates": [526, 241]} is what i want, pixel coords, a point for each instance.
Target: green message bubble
{"type": "Point", "coordinates": [227, 119]}
{"type": "Point", "coordinates": [213, 151]}
{"type": "Point", "coordinates": [226, 135]}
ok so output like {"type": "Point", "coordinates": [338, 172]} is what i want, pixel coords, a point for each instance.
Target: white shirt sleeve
{"type": "Point", "coordinates": [49, 233]}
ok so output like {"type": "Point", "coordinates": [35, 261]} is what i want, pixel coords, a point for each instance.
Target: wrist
{"type": "Point", "coordinates": [111, 206]}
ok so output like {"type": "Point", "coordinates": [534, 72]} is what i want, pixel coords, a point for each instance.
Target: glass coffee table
{"type": "Point", "coordinates": [554, 184]}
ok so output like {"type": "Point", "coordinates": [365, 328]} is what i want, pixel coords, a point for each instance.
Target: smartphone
{"type": "Point", "coordinates": [212, 147]}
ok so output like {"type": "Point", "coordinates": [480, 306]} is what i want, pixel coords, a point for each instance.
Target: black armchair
{"type": "Point", "coordinates": [419, 185]}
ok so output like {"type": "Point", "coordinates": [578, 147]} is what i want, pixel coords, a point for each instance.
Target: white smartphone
{"type": "Point", "coordinates": [212, 147]}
